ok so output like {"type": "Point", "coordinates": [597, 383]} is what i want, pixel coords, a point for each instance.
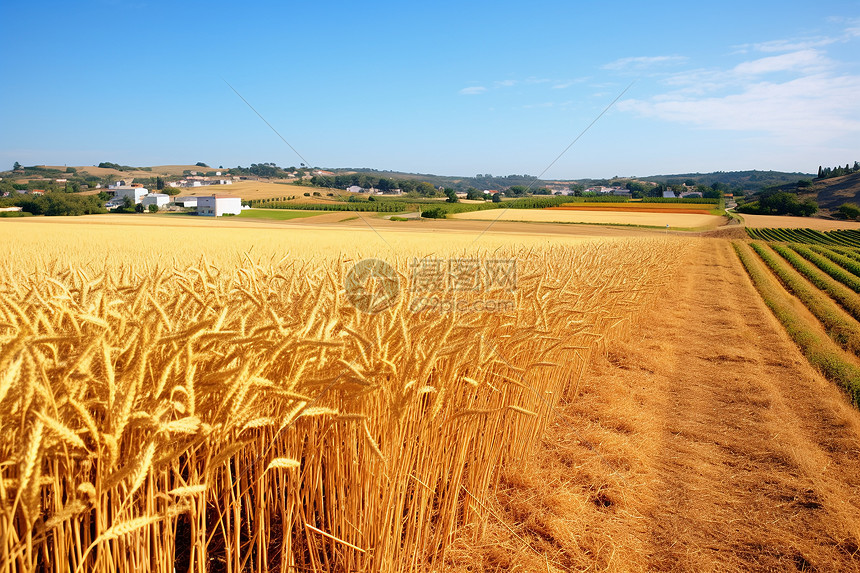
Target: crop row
{"type": "Point", "coordinates": [821, 352]}
{"type": "Point", "coordinates": [826, 289]}
{"type": "Point", "coordinates": [841, 238]}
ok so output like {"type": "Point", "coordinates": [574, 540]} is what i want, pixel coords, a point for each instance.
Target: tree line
{"type": "Point", "coordinates": [828, 172]}
{"type": "Point", "coordinates": [775, 202]}
{"type": "Point", "coordinates": [56, 203]}
{"type": "Point", "coordinates": [384, 184]}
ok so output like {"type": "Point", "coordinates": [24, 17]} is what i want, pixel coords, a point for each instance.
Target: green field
{"type": "Point", "coordinates": [277, 214]}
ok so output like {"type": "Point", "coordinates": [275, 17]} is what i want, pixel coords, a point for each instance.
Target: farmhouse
{"type": "Point", "coordinates": [136, 194]}
{"type": "Point", "coordinates": [217, 205]}
{"type": "Point", "coordinates": [189, 201]}
{"type": "Point", "coordinates": [158, 199]}
{"type": "Point", "coordinates": [354, 189]}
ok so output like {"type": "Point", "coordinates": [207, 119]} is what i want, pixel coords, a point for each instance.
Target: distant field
{"type": "Point", "coordinates": [277, 214]}
{"type": "Point", "coordinates": [690, 208]}
{"type": "Point", "coordinates": [156, 170]}
{"type": "Point", "coordinates": [266, 238]}
{"type": "Point", "coordinates": [603, 217]}
{"type": "Point", "coordinates": [263, 190]}
{"type": "Point", "coordinates": [786, 222]}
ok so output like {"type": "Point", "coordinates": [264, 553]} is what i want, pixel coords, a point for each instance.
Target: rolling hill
{"type": "Point", "coordinates": [831, 193]}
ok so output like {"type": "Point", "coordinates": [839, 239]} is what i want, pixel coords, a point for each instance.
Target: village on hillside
{"type": "Point", "coordinates": [128, 194]}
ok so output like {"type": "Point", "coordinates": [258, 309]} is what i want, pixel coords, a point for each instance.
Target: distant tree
{"type": "Point", "coordinates": [690, 183]}
{"type": "Point", "coordinates": [577, 189]}
{"type": "Point", "coordinates": [138, 208]}
{"type": "Point", "coordinates": [780, 203]}
{"type": "Point", "coordinates": [16, 166]}
{"type": "Point", "coordinates": [516, 190]}
{"type": "Point", "coordinates": [201, 164]}
{"type": "Point", "coordinates": [159, 183]}
{"type": "Point", "coordinates": [71, 170]}
{"type": "Point", "coordinates": [473, 194]}
{"type": "Point", "coordinates": [153, 208]}
{"type": "Point", "coordinates": [452, 196]}
{"type": "Point", "coordinates": [820, 172]}
{"type": "Point", "coordinates": [497, 197]}
{"type": "Point", "coordinates": [804, 183]}
{"type": "Point", "coordinates": [425, 189]}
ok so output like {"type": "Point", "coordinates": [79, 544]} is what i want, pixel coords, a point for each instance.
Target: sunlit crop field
{"type": "Point", "coordinates": [213, 399]}
{"type": "Point", "coordinates": [603, 217]}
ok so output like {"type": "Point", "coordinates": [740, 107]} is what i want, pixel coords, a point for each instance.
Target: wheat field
{"type": "Point", "coordinates": [228, 409]}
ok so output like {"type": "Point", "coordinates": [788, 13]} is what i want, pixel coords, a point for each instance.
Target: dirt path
{"type": "Point", "coordinates": [706, 443]}
{"type": "Point", "coordinates": [759, 458]}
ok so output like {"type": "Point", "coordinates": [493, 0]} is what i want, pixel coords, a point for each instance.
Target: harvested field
{"type": "Point", "coordinates": [601, 217]}
{"type": "Point", "coordinates": [264, 190]}
{"type": "Point", "coordinates": [788, 222]}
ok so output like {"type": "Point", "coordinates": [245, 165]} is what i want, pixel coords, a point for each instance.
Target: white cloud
{"type": "Point", "coordinates": [850, 30]}
{"type": "Point", "coordinates": [506, 83]}
{"type": "Point", "coordinates": [644, 62]}
{"type": "Point", "coordinates": [473, 90]}
{"type": "Point", "coordinates": [794, 45]}
{"type": "Point", "coordinates": [809, 109]}
{"type": "Point", "coordinates": [804, 61]}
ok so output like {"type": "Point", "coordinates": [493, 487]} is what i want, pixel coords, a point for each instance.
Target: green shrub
{"type": "Point", "coordinates": [433, 213]}
{"type": "Point", "coordinates": [849, 210]}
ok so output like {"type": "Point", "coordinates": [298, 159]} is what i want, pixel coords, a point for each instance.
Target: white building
{"type": "Point", "coordinates": [136, 194]}
{"type": "Point", "coordinates": [354, 189]}
{"type": "Point", "coordinates": [217, 205]}
{"type": "Point", "coordinates": [158, 199]}
{"type": "Point", "coordinates": [189, 201]}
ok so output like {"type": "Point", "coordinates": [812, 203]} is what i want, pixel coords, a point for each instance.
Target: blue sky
{"type": "Point", "coordinates": [446, 88]}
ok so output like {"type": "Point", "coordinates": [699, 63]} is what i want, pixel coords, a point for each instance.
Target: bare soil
{"type": "Point", "coordinates": [705, 443]}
